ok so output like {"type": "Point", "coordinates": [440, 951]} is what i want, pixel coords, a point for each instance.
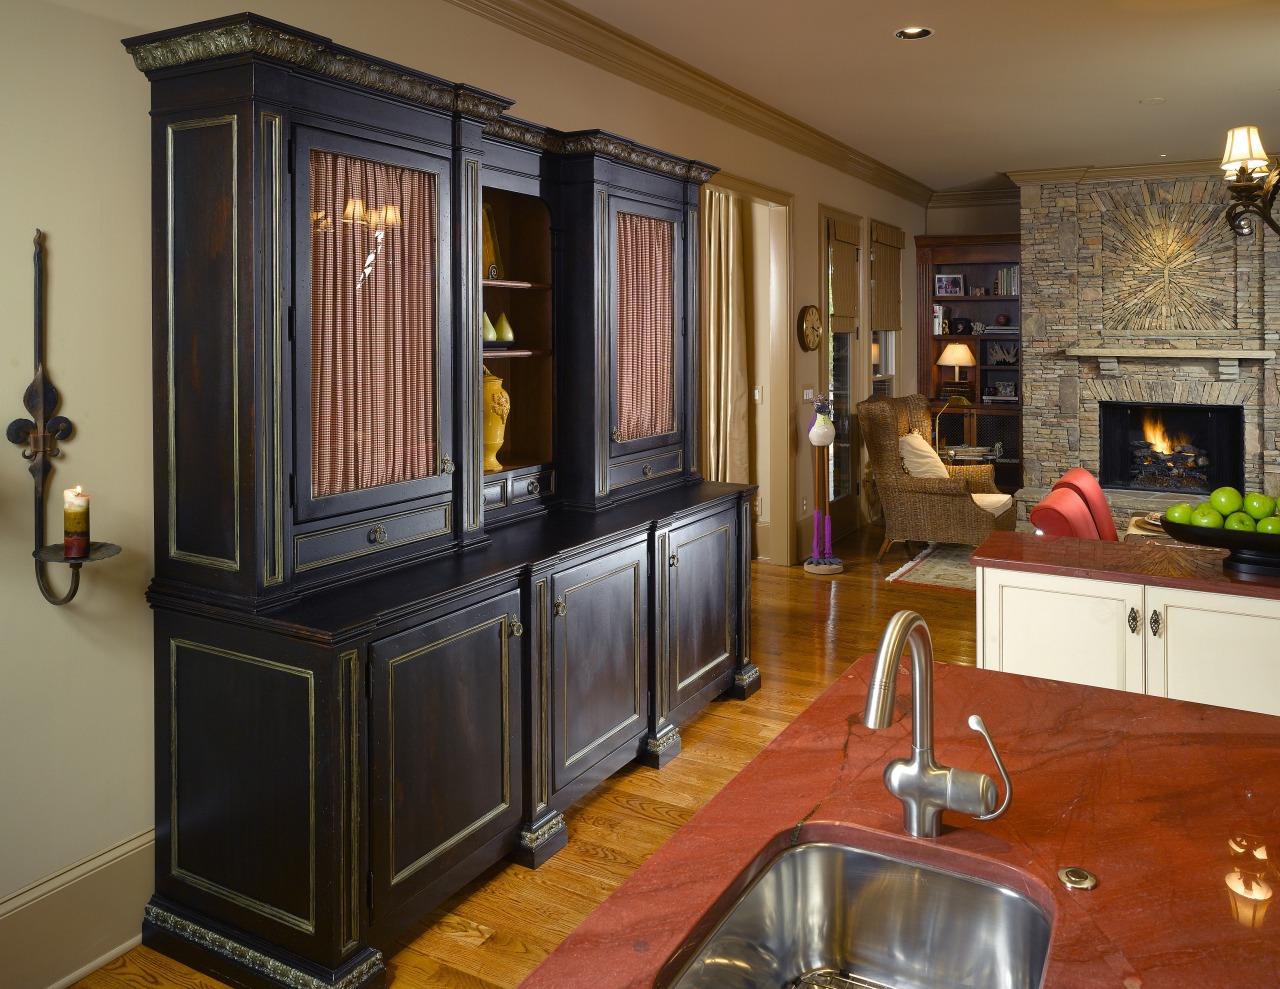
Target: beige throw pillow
{"type": "Point", "coordinates": [919, 458]}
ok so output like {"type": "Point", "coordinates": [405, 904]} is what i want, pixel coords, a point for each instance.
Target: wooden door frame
{"type": "Point", "coordinates": [861, 384]}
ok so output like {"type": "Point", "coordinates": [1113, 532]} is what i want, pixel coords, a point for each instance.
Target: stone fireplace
{"type": "Point", "coordinates": [1135, 292]}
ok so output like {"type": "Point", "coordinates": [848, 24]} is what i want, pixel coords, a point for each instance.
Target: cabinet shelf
{"type": "Point", "coordinates": [975, 298]}
{"type": "Point", "coordinates": [505, 283]}
{"type": "Point", "coordinates": [495, 354]}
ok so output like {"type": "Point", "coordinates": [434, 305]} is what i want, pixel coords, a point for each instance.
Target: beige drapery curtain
{"type": "Point", "coordinates": [726, 442]}
{"type": "Point", "coordinates": [372, 324]}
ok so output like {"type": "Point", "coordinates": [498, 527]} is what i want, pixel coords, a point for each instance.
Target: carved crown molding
{"type": "Point", "coordinates": [598, 143]}
{"type": "Point", "coordinates": [976, 197]}
{"type": "Point", "coordinates": [1118, 173]}
{"type": "Point", "coordinates": [254, 36]}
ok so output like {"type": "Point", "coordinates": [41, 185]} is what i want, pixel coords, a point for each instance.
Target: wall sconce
{"type": "Point", "coordinates": [1253, 182]}
{"type": "Point", "coordinates": [40, 435]}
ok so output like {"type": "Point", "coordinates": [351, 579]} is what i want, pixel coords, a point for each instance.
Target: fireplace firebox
{"type": "Point", "coordinates": [1174, 449]}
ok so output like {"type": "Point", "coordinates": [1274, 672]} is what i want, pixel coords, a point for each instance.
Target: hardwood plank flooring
{"type": "Point", "coordinates": [805, 631]}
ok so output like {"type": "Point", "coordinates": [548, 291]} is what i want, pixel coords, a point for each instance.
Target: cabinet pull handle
{"type": "Point", "coordinates": [534, 487]}
{"type": "Point", "coordinates": [446, 464]}
{"type": "Point", "coordinates": [378, 534]}
{"type": "Point", "coordinates": [647, 470]}
{"type": "Point", "coordinates": [616, 436]}
{"type": "Point", "coordinates": [517, 627]}
{"type": "Point", "coordinates": [560, 608]}
{"type": "Point", "coordinates": [1134, 620]}
{"type": "Point", "coordinates": [1155, 622]}
{"type": "Point", "coordinates": [673, 560]}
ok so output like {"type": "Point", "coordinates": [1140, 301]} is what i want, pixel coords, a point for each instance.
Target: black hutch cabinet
{"type": "Point", "coordinates": [418, 586]}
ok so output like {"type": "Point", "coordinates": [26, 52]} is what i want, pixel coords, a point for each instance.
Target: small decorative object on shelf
{"type": "Point", "coordinates": [488, 332]}
{"type": "Point", "coordinates": [1002, 319]}
{"type": "Point", "coordinates": [497, 406]}
{"type": "Point", "coordinates": [40, 434]}
{"type": "Point", "coordinates": [1003, 353]}
{"type": "Point", "coordinates": [492, 254]}
{"type": "Point", "coordinates": [503, 328]}
{"type": "Point", "coordinates": [948, 284]}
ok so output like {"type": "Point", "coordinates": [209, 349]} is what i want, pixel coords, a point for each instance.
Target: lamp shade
{"type": "Point", "coordinates": [956, 355]}
{"type": "Point", "coordinates": [1244, 150]}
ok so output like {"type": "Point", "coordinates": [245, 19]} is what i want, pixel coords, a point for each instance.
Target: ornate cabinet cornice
{"type": "Point", "coordinates": [251, 35]}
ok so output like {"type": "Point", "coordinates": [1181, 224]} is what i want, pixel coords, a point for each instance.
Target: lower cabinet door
{"type": "Point", "coordinates": [599, 625]}
{"type": "Point", "coordinates": [1062, 628]}
{"type": "Point", "coordinates": [444, 745]}
{"type": "Point", "coordinates": [1213, 648]}
{"type": "Point", "coordinates": [701, 603]}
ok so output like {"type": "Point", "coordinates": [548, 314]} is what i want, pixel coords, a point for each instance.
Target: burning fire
{"type": "Point", "coordinates": [1153, 432]}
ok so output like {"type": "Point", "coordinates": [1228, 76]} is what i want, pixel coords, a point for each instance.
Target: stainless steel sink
{"type": "Point", "coordinates": [827, 915]}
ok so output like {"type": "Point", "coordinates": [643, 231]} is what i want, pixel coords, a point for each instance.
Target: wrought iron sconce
{"type": "Point", "coordinates": [1254, 183]}
{"type": "Point", "coordinates": [39, 436]}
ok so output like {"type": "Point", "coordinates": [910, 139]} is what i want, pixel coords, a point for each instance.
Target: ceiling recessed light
{"type": "Point", "coordinates": [913, 33]}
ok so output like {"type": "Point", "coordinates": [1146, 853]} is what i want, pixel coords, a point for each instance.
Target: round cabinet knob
{"type": "Point", "coordinates": [560, 608]}
{"type": "Point", "coordinates": [517, 627]}
{"type": "Point", "coordinates": [534, 487]}
{"type": "Point", "coordinates": [378, 534]}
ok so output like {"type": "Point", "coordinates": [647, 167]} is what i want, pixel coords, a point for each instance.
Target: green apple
{"type": "Point", "coordinates": [1239, 522]}
{"type": "Point", "coordinates": [1226, 500]}
{"type": "Point", "coordinates": [1259, 505]}
{"type": "Point", "coordinates": [1180, 513]}
{"type": "Point", "coordinates": [1271, 524]}
{"type": "Point", "coordinates": [1207, 517]}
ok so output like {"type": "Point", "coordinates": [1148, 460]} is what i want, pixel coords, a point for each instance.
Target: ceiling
{"type": "Point", "coordinates": [1002, 86]}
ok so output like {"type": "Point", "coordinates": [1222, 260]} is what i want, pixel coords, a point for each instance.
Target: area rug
{"type": "Point", "coordinates": [939, 565]}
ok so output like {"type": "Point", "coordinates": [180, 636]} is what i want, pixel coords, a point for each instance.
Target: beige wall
{"type": "Point", "coordinates": [75, 682]}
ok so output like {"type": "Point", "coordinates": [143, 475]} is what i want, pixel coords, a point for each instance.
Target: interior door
{"type": "Point", "coordinates": [843, 456]}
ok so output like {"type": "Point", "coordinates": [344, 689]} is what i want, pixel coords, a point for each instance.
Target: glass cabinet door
{"type": "Point", "coordinates": [370, 357]}
{"type": "Point", "coordinates": [646, 361]}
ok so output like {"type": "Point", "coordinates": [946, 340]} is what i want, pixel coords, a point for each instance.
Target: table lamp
{"type": "Point", "coordinates": [956, 355]}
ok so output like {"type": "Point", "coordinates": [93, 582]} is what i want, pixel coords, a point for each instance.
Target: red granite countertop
{"type": "Point", "coordinates": [1195, 568]}
{"type": "Point", "coordinates": [1144, 792]}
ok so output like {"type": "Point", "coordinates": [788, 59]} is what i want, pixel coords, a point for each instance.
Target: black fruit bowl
{"type": "Point", "coordinates": [1250, 552]}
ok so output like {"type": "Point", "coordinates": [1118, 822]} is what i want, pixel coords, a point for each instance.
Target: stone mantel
{"type": "Point", "coordinates": [1228, 360]}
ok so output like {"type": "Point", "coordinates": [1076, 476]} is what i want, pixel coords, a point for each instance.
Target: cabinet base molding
{"type": "Point", "coordinates": [745, 682]}
{"type": "Point", "coordinates": [539, 844]}
{"type": "Point", "coordinates": [226, 958]}
{"type": "Point", "coordinates": [661, 748]}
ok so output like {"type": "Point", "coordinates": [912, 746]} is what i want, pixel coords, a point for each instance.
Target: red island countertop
{"type": "Point", "coordinates": [1193, 568]}
{"type": "Point", "coordinates": [1144, 792]}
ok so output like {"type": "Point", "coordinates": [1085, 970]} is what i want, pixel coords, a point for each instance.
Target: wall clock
{"type": "Point", "coordinates": [809, 327]}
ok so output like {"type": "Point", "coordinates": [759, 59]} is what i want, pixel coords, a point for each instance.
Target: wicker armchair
{"type": "Point", "coordinates": [924, 509]}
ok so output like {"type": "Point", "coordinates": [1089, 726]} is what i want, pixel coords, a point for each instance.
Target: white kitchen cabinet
{"type": "Point", "coordinates": [1169, 642]}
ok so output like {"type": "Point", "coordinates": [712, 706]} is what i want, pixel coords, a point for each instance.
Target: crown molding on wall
{"type": "Point", "coordinates": [1119, 173]}
{"type": "Point", "coordinates": [975, 198]}
{"type": "Point", "coordinates": [567, 29]}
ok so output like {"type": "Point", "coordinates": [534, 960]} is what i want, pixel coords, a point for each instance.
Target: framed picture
{"type": "Point", "coordinates": [948, 284]}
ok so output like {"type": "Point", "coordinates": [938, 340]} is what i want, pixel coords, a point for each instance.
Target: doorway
{"type": "Point", "coordinates": [842, 255]}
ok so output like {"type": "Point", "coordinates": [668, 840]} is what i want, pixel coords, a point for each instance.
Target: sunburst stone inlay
{"type": "Point", "coordinates": [1168, 270]}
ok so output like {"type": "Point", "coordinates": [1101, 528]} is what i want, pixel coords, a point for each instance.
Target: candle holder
{"type": "Point", "coordinates": [39, 435]}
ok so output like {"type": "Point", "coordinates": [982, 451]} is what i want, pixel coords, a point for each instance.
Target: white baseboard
{"type": "Point", "coordinates": [56, 931]}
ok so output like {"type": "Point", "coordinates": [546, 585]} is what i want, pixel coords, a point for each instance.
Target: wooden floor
{"type": "Point", "coordinates": [805, 631]}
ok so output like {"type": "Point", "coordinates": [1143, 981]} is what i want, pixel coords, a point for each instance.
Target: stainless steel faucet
{"type": "Point", "coordinates": [925, 788]}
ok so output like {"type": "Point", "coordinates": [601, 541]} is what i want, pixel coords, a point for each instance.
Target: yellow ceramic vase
{"type": "Point", "coordinates": [497, 405]}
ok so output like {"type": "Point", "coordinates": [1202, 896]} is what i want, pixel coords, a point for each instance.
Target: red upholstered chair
{"type": "Point", "coordinates": [1087, 487]}
{"type": "Point", "coordinates": [1062, 512]}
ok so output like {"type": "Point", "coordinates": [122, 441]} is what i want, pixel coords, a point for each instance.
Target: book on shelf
{"type": "Point", "coordinates": [941, 314]}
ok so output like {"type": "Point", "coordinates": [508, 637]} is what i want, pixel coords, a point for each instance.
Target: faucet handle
{"type": "Point", "coordinates": [976, 723]}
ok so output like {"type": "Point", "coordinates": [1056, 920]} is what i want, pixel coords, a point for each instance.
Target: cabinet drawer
{"type": "Point", "coordinates": [370, 536]}
{"type": "Point", "coordinates": [624, 473]}
{"type": "Point", "coordinates": [533, 485]}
